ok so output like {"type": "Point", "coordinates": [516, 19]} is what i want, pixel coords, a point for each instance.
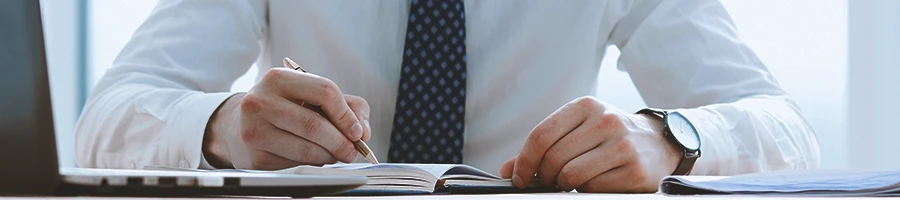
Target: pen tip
{"type": "Point", "coordinates": [287, 62]}
{"type": "Point", "coordinates": [291, 64]}
{"type": "Point", "coordinates": [371, 158]}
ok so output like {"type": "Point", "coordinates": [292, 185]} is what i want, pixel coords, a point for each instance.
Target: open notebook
{"type": "Point", "coordinates": [388, 178]}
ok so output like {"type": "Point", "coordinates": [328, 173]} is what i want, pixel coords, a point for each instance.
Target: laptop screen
{"type": "Point", "coordinates": [27, 141]}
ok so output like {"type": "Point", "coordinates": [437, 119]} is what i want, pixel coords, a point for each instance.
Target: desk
{"type": "Point", "coordinates": [566, 196]}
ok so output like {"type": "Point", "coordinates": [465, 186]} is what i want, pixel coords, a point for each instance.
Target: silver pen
{"type": "Point", "coordinates": [361, 146]}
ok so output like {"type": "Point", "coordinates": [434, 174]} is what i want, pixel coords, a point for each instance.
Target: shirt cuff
{"type": "Point", "coordinates": [190, 122]}
{"type": "Point", "coordinates": [708, 125]}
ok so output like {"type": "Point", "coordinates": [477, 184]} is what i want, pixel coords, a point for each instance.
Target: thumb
{"type": "Point", "coordinates": [361, 108]}
{"type": "Point", "coordinates": [506, 169]}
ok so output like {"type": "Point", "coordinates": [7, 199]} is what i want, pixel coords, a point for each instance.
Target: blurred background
{"type": "Point", "coordinates": [833, 56]}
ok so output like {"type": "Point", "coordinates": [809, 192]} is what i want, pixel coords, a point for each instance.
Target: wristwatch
{"type": "Point", "coordinates": [679, 131]}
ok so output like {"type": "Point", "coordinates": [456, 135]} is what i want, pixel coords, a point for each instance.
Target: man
{"type": "Point", "coordinates": [475, 82]}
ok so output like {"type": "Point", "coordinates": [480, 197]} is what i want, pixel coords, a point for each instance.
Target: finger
{"type": "Point", "coordinates": [311, 126]}
{"type": "Point", "coordinates": [293, 147]}
{"type": "Point", "coordinates": [506, 169]}
{"type": "Point", "coordinates": [621, 179]}
{"type": "Point", "coordinates": [608, 155]}
{"type": "Point", "coordinates": [584, 138]}
{"type": "Point", "coordinates": [317, 90]}
{"type": "Point", "coordinates": [361, 108]}
{"type": "Point", "coordinates": [262, 160]}
{"type": "Point", "coordinates": [544, 135]}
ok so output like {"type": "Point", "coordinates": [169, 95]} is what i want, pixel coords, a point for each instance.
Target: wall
{"type": "Point", "coordinates": [874, 100]}
{"type": "Point", "coordinates": [804, 45]}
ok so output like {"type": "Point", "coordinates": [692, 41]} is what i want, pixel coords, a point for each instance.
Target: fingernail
{"type": "Point", "coordinates": [517, 180]}
{"type": "Point", "coordinates": [356, 131]}
{"type": "Point", "coordinates": [367, 125]}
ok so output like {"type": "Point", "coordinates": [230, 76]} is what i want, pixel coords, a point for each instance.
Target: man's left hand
{"type": "Point", "coordinates": [594, 147]}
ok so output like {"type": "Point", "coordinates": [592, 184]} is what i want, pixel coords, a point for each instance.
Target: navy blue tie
{"type": "Point", "coordinates": [431, 99]}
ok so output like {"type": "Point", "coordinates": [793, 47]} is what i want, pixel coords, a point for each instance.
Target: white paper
{"type": "Point", "coordinates": [815, 182]}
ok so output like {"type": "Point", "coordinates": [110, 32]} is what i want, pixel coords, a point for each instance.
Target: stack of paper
{"type": "Point", "coordinates": [789, 183]}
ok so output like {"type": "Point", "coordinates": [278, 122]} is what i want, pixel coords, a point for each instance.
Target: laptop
{"type": "Point", "coordinates": [28, 156]}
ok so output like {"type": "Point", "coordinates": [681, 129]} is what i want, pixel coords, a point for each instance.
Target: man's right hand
{"type": "Point", "coordinates": [273, 126]}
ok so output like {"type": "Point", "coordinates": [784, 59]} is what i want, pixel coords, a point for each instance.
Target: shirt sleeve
{"type": "Point", "coordinates": [152, 106]}
{"type": "Point", "coordinates": [687, 56]}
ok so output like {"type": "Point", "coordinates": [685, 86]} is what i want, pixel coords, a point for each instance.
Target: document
{"type": "Point", "coordinates": [789, 183]}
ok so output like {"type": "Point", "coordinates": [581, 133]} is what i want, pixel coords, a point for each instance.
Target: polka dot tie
{"type": "Point", "coordinates": [431, 99]}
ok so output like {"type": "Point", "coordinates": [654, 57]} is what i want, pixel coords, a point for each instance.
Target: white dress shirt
{"type": "Point", "coordinates": [526, 58]}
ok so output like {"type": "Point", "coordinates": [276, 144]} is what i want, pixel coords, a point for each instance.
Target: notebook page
{"type": "Point", "coordinates": [436, 170]}
{"type": "Point", "coordinates": [469, 172]}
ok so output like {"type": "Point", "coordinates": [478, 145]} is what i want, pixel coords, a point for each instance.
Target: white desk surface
{"type": "Point", "coordinates": [566, 196]}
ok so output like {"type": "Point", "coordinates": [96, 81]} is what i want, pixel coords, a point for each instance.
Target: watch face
{"type": "Point", "coordinates": [683, 131]}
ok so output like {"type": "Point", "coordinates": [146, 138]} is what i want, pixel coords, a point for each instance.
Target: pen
{"type": "Point", "coordinates": [359, 144]}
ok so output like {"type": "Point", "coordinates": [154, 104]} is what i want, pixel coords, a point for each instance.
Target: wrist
{"type": "Point", "coordinates": [215, 145]}
{"type": "Point", "coordinates": [671, 154]}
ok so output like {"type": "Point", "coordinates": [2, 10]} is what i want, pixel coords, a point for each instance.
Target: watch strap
{"type": "Point", "coordinates": [688, 158]}
{"type": "Point", "coordinates": [661, 114]}
{"type": "Point", "coordinates": [687, 163]}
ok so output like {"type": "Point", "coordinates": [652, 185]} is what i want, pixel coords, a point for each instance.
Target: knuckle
{"type": "Point", "coordinates": [273, 76]}
{"type": "Point", "coordinates": [329, 91]}
{"type": "Point", "coordinates": [568, 177]}
{"type": "Point", "coordinates": [539, 130]}
{"type": "Point", "coordinates": [586, 102]}
{"type": "Point", "coordinates": [363, 102]}
{"type": "Point", "coordinates": [249, 136]}
{"type": "Point", "coordinates": [625, 146]}
{"type": "Point", "coordinates": [360, 103]}
{"type": "Point", "coordinates": [311, 125]}
{"type": "Point", "coordinates": [345, 148]}
{"type": "Point", "coordinates": [609, 121]}
{"type": "Point", "coordinates": [287, 113]}
{"type": "Point", "coordinates": [523, 167]}
{"type": "Point", "coordinates": [553, 159]}
{"type": "Point", "coordinates": [540, 135]}
{"type": "Point", "coordinates": [353, 99]}
{"type": "Point", "coordinates": [251, 103]}
{"type": "Point", "coordinates": [347, 118]}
